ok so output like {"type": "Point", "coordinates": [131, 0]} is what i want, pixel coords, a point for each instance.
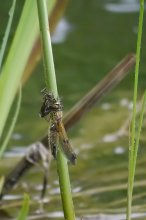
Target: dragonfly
{"type": "Point", "coordinates": [52, 111]}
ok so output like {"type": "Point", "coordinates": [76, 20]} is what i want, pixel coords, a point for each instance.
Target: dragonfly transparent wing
{"type": "Point", "coordinates": [53, 140]}
{"type": "Point", "coordinates": [65, 144]}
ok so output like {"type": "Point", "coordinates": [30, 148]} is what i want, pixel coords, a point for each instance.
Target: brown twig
{"type": "Point", "coordinates": [85, 104]}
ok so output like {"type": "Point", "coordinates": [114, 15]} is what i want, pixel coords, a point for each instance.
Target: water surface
{"type": "Point", "coordinates": [88, 42]}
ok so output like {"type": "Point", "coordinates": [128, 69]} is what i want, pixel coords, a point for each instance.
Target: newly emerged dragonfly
{"type": "Point", "coordinates": [51, 110]}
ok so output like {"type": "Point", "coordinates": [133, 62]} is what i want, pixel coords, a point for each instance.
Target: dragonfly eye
{"type": "Point", "coordinates": [45, 110]}
{"type": "Point", "coordinates": [57, 107]}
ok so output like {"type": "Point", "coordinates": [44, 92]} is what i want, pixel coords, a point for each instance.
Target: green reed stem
{"type": "Point", "coordinates": [50, 77]}
{"type": "Point", "coordinates": [51, 84]}
{"type": "Point", "coordinates": [134, 140]}
{"type": "Point", "coordinates": [23, 215]}
{"type": "Point", "coordinates": [139, 129]}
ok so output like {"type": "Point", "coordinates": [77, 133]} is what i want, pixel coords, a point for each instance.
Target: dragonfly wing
{"type": "Point", "coordinates": [53, 140]}
{"type": "Point", "coordinates": [65, 144]}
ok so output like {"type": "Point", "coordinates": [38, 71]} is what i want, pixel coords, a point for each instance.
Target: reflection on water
{"type": "Point", "coordinates": [110, 138]}
{"type": "Point", "coordinates": [77, 189]}
{"type": "Point", "coordinates": [41, 216]}
{"type": "Point", "coordinates": [111, 217]}
{"type": "Point", "coordinates": [56, 214]}
{"type": "Point", "coordinates": [17, 136]}
{"type": "Point", "coordinates": [12, 197]}
{"type": "Point", "coordinates": [55, 191]}
{"type": "Point", "coordinates": [126, 103]}
{"type": "Point", "coordinates": [18, 151]}
{"type": "Point", "coordinates": [106, 106]}
{"type": "Point", "coordinates": [123, 6]}
{"type": "Point", "coordinates": [119, 150]}
{"type": "Point", "coordinates": [40, 187]}
{"type": "Point", "coordinates": [61, 32]}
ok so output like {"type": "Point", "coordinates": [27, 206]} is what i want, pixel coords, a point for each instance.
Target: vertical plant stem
{"type": "Point", "coordinates": [25, 208]}
{"type": "Point", "coordinates": [137, 68]}
{"type": "Point", "coordinates": [50, 78]}
{"type": "Point", "coordinates": [132, 158]}
{"type": "Point", "coordinates": [139, 129]}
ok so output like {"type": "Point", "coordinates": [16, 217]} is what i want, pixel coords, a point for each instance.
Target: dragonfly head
{"type": "Point", "coordinates": [50, 104]}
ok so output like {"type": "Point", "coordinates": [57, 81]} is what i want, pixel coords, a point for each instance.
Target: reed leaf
{"type": "Point", "coordinates": [7, 32]}
{"type": "Point", "coordinates": [134, 139]}
{"type": "Point", "coordinates": [11, 128]}
{"type": "Point", "coordinates": [20, 50]}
